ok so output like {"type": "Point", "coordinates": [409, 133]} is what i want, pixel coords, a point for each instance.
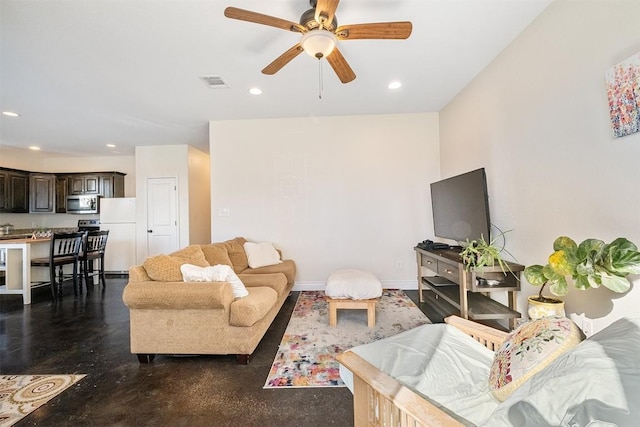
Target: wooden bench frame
{"type": "Point", "coordinates": [379, 400]}
{"type": "Point", "coordinates": [362, 304]}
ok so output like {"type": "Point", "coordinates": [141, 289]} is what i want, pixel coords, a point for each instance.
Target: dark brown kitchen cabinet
{"type": "Point", "coordinates": [3, 191]}
{"type": "Point", "coordinates": [84, 184]}
{"type": "Point", "coordinates": [14, 191]}
{"type": "Point", "coordinates": [42, 189]}
{"type": "Point", "coordinates": [112, 184]}
{"type": "Point", "coordinates": [61, 194]}
{"type": "Point", "coordinates": [105, 184]}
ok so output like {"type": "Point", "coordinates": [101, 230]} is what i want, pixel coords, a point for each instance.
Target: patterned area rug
{"type": "Point", "coordinates": [23, 394]}
{"type": "Point", "coordinates": [307, 354]}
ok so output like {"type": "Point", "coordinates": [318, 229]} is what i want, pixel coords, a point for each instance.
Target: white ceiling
{"type": "Point", "coordinates": [83, 74]}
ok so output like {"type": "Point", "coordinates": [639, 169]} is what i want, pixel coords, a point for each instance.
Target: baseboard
{"type": "Point", "coordinates": [386, 284]}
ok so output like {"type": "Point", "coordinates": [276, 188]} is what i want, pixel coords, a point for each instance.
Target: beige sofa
{"type": "Point", "coordinates": [169, 316]}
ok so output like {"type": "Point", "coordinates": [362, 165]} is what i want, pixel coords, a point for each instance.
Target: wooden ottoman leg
{"type": "Point", "coordinates": [333, 313]}
{"type": "Point", "coordinates": [371, 313]}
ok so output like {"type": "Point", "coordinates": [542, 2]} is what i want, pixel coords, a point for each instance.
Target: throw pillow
{"type": "Point", "coordinates": [261, 254]}
{"type": "Point", "coordinates": [528, 350]}
{"type": "Point", "coordinates": [166, 268]}
{"type": "Point", "coordinates": [214, 273]}
{"type": "Point", "coordinates": [216, 253]}
{"type": "Point", "coordinates": [238, 257]}
{"type": "Point", "coordinates": [163, 268]}
{"type": "Point", "coordinates": [192, 254]}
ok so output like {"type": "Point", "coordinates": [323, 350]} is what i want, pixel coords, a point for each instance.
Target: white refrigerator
{"type": "Point", "coordinates": [118, 215]}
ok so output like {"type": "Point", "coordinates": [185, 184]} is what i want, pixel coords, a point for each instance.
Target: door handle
{"type": "Point", "coordinates": [149, 231]}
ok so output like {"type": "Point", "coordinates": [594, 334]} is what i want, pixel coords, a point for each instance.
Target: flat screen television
{"type": "Point", "coordinates": [460, 207]}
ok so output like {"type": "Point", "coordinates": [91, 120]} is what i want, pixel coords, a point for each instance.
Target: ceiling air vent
{"type": "Point", "coordinates": [214, 82]}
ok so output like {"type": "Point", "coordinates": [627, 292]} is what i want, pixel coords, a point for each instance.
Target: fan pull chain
{"type": "Point", "coordinates": [320, 78]}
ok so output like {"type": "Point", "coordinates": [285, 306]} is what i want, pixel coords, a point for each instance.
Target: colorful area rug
{"type": "Point", "coordinates": [307, 354]}
{"type": "Point", "coordinates": [23, 394]}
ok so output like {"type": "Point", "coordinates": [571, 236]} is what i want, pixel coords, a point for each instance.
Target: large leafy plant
{"type": "Point", "coordinates": [591, 264]}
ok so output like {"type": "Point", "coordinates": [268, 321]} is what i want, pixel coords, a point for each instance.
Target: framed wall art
{"type": "Point", "coordinates": [623, 91]}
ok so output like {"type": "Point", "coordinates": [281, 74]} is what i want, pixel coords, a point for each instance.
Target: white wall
{"type": "Point", "coordinates": [166, 162]}
{"type": "Point", "coordinates": [537, 119]}
{"type": "Point", "coordinates": [331, 192]}
{"type": "Point", "coordinates": [199, 197]}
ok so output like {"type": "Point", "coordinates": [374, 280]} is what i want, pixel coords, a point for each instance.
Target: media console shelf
{"type": "Point", "coordinates": [468, 291]}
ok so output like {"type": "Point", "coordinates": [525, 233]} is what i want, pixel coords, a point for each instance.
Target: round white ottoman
{"type": "Point", "coordinates": [352, 289]}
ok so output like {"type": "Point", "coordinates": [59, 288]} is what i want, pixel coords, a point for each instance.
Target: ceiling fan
{"type": "Point", "coordinates": [321, 33]}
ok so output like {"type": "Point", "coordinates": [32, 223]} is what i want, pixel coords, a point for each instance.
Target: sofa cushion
{"type": "Point", "coordinates": [528, 350]}
{"type": "Point", "coordinates": [276, 281]}
{"type": "Point", "coordinates": [216, 253]}
{"type": "Point", "coordinates": [247, 311]}
{"type": "Point", "coordinates": [214, 273]}
{"type": "Point", "coordinates": [261, 254]}
{"type": "Point", "coordinates": [166, 268]}
{"type": "Point", "coordinates": [286, 267]}
{"type": "Point", "coordinates": [235, 249]}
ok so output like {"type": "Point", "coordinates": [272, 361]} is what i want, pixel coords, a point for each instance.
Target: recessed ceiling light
{"type": "Point", "coordinates": [10, 114]}
{"type": "Point", "coordinates": [34, 148]}
{"type": "Point", "coordinates": [394, 85]}
{"type": "Point", "coordinates": [111, 145]}
{"type": "Point", "coordinates": [255, 91]}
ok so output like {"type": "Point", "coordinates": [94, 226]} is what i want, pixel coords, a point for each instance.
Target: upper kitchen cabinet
{"type": "Point", "coordinates": [106, 184]}
{"type": "Point", "coordinates": [61, 194]}
{"type": "Point", "coordinates": [112, 184]}
{"type": "Point", "coordinates": [42, 189]}
{"type": "Point", "coordinates": [84, 184]}
{"type": "Point", "coordinates": [14, 191]}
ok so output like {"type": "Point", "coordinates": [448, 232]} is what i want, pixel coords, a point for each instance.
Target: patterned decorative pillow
{"type": "Point", "coordinates": [528, 350]}
{"type": "Point", "coordinates": [166, 268]}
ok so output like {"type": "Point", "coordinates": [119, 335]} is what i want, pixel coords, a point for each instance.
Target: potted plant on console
{"type": "Point", "coordinates": [480, 253]}
{"type": "Point", "coordinates": [591, 264]}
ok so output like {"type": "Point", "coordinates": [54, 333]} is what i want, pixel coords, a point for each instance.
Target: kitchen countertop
{"type": "Point", "coordinates": [24, 235]}
{"type": "Point", "coordinates": [24, 240]}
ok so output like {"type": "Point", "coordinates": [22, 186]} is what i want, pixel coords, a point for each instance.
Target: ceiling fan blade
{"type": "Point", "coordinates": [259, 18]}
{"type": "Point", "coordinates": [282, 60]}
{"type": "Point", "coordinates": [340, 66]}
{"type": "Point", "coordinates": [326, 10]}
{"type": "Point", "coordinates": [379, 30]}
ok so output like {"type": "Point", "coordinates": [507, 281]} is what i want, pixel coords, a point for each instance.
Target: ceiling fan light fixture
{"type": "Point", "coordinates": [318, 43]}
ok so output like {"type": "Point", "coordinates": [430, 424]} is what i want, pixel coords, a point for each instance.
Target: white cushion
{"type": "Point", "coordinates": [354, 284]}
{"type": "Point", "coordinates": [214, 273]}
{"type": "Point", "coordinates": [261, 254]}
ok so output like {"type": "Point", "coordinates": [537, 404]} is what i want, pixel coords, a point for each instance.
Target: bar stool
{"type": "Point", "coordinates": [64, 249]}
{"type": "Point", "coordinates": [94, 249]}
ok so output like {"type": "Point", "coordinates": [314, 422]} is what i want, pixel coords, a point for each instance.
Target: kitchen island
{"type": "Point", "coordinates": [16, 264]}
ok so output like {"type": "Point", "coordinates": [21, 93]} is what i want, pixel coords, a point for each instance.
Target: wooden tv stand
{"type": "Point", "coordinates": [463, 289]}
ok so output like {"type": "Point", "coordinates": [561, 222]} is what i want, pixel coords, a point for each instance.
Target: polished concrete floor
{"type": "Point", "coordinates": [90, 335]}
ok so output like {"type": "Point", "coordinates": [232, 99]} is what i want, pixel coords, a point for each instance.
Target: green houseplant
{"type": "Point", "coordinates": [591, 264]}
{"type": "Point", "coordinates": [480, 253]}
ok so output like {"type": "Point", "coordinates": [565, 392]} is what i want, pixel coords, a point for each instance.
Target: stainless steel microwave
{"type": "Point", "coordinates": [83, 204]}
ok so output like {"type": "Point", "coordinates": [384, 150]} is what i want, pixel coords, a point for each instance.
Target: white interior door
{"type": "Point", "coordinates": [162, 216]}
